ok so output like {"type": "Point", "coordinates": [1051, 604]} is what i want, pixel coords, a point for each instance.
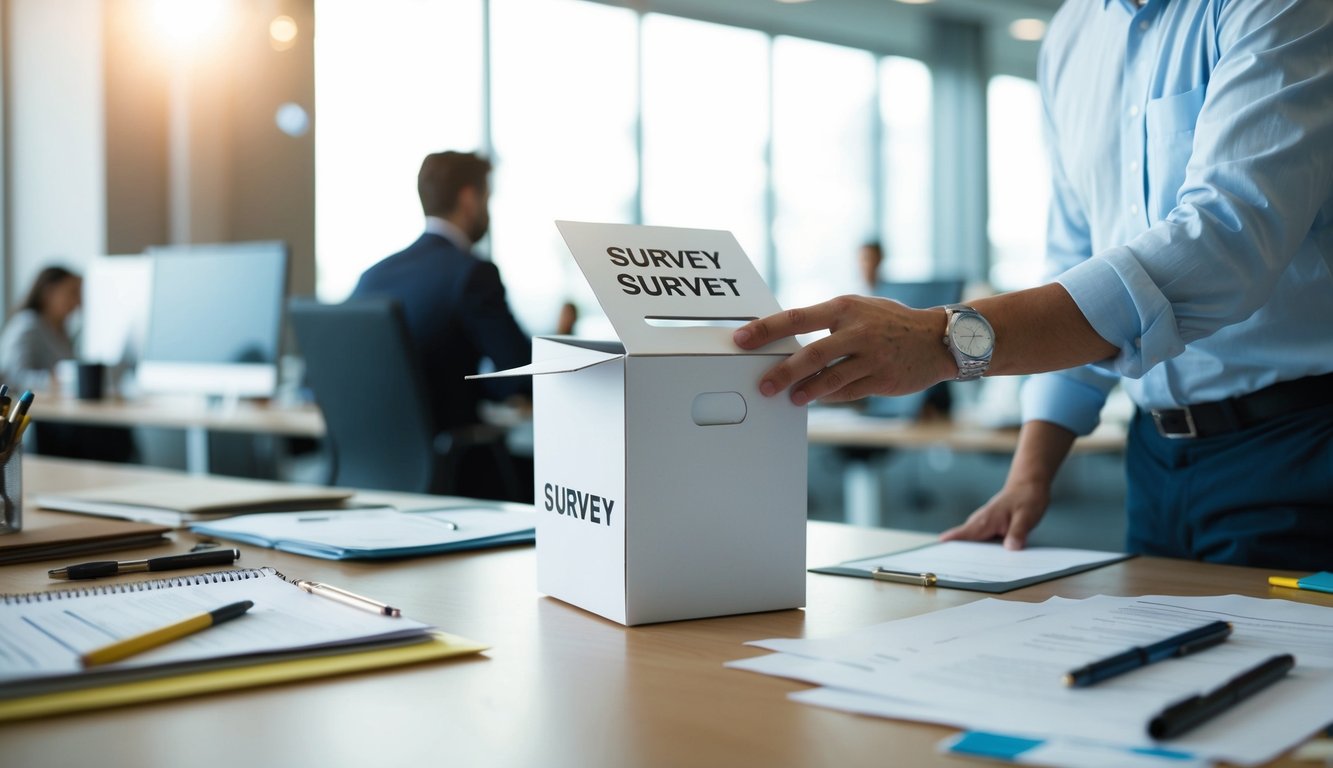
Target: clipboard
{"type": "Point", "coordinates": [979, 566]}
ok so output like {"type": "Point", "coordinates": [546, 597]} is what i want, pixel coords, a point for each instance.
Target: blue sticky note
{"type": "Point", "coordinates": [992, 745]}
{"type": "Point", "coordinates": [1319, 582]}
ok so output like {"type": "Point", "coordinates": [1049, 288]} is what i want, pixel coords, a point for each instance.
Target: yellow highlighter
{"type": "Point", "coordinates": [139, 643]}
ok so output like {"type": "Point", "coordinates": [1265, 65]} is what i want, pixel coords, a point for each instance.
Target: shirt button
{"type": "Point", "coordinates": [1143, 25]}
{"type": "Point", "coordinates": [1133, 165]}
{"type": "Point", "coordinates": [1134, 111]}
{"type": "Point", "coordinates": [1134, 208]}
{"type": "Point", "coordinates": [1138, 343]}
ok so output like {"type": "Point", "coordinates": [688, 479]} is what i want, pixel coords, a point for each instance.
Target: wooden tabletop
{"type": "Point", "coordinates": [560, 687]}
{"type": "Point", "coordinates": [847, 428]}
{"type": "Point", "coordinates": [259, 417]}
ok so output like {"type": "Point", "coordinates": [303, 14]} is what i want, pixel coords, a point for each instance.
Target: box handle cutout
{"type": "Point", "coordinates": [712, 409]}
{"type": "Point", "coordinates": [658, 321]}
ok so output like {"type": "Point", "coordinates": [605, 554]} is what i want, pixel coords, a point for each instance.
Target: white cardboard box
{"type": "Point", "coordinates": [667, 487]}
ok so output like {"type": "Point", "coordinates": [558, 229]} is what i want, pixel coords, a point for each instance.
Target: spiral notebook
{"type": "Point", "coordinates": [288, 634]}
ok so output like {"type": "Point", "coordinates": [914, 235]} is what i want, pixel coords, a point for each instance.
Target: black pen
{"type": "Point", "coordinates": [113, 568]}
{"type": "Point", "coordinates": [1185, 643]}
{"type": "Point", "coordinates": [1184, 715]}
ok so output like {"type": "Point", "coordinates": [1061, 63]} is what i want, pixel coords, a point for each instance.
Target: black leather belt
{"type": "Point", "coordinates": [1207, 419]}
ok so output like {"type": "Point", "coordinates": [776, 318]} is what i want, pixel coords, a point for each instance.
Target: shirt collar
{"type": "Point", "coordinates": [446, 229]}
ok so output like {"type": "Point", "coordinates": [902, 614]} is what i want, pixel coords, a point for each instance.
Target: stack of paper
{"type": "Point", "coordinates": [998, 666]}
{"type": "Point", "coordinates": [47, 536]}
{"type": "Point", "coordinates": [381, 532]}
{"type": "Point", "coordinates": [177, 501]}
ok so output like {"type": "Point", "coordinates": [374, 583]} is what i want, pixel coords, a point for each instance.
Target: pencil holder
{"type": "Point", "coordinates": [11, 491]}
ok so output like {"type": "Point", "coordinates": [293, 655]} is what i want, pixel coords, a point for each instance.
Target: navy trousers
{"type": "Point", "coordinates": [1261, 496]}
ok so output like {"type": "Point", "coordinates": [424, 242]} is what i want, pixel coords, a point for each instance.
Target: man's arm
{"type": "Point", "coordinates": [1019, 506]}
{"type": "Point", "coordinates": [883, 347]}
{"type": "Point", "coordinates": [493, 329]}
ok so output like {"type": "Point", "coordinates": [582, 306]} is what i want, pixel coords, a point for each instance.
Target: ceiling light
{"type": "Point", "coordinates": [1027, 29]}
{"type": "Point", "coordinates": [282, 32]}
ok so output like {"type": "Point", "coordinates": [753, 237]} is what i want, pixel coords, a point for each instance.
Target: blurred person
{"type": "Point", "coordinates": [454, 303]}
{"type": "Point", "coordinates": [870, 259]}
{"type": "Point", "coordinates": [567, 319]}
{"type": "Point", "coordinates": [33, 341]}
{"type": "Point", "coordinates": [37, 336]}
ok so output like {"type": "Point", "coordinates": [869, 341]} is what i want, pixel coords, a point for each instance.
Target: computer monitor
{"type": "Point", "coordinates": [116, 295]}
{"type": "Point", "coordinates": [923, 294]}
{"type": "Point", "coordinates": [919, 295]}
{"type": "Point", "coordinates": [214, 319]}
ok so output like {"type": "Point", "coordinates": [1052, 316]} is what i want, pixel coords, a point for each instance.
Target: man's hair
{"type": "Point", "coordinates": [444, 175]}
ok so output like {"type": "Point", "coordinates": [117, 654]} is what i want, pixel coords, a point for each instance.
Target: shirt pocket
{"type": "Point", "coordinates": [1170, 141]}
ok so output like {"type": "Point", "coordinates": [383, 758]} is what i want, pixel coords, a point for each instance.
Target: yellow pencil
{"type": "Point", "coordinates": [18, 436]}
{"type": "Point", "coordinates": [139, 643]}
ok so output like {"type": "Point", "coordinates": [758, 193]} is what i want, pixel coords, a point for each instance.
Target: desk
{"type": "Point", "coordinates": [561, 687]}
{"type": "Point", "coordinates": [845, 428]}
{"type": "Point", "coordinates": [191, 414]}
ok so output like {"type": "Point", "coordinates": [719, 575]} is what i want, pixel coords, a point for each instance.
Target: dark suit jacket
{"type": "Point", "coordinates": [456, 315]}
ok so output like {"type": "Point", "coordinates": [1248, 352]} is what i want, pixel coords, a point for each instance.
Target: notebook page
{"type": "Point", "coordinates": [44, 638]}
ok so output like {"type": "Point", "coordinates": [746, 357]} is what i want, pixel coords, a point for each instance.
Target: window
{"type": "Point", "coordinates": [393, 82]}
{"type": "Point", "coordinates": [802, 149]}
{"type": "Point", "coordinates": [705, 129]}
{"type": "Point", "coordinates": [1019, 183]}
{"type": "Point", "coordinates": [823, 167]}
{"type": "Point", "coordinates": [564, 115]}
{"type": "Point", "coordinates": [904, 109]}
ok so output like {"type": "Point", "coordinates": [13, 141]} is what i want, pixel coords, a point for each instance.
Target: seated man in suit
{"type": "Point", "coordinates": [454, 302]}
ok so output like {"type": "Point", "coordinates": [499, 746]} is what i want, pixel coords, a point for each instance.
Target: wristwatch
{"type": "Point", "coordinates": [971, 340]}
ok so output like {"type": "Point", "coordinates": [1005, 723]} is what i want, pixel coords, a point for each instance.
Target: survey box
{"type": "Point", "coordinates": [666, 486]}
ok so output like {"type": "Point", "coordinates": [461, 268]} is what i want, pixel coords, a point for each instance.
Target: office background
{"type": "Point", "coordinates": [805, 128]}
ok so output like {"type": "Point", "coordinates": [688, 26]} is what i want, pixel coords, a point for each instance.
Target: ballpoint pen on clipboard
{"type": "Point", "coordinates": [347, 598]}
{"type": "Point", "coordinates": [904, 577]}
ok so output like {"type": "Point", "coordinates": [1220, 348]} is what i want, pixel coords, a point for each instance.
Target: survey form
{"type": "Point", "coordinates": [1009, 678]}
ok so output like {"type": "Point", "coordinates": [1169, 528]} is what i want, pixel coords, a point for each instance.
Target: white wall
{"type": "Point", "coordinates": [57, 155]}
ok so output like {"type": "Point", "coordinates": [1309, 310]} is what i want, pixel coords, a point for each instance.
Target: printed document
{"type": "Point", "coordinates": [1000, 669]}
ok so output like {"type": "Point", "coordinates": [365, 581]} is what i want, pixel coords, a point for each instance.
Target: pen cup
{"type": "Point", "coordinates": [11, 491]}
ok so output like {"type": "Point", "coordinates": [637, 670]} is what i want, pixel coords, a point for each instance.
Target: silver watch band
{"type": "Point", "coordinates": [969, 368]}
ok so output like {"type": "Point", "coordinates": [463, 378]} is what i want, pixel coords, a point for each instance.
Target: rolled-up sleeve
{"type": "Point", "coordinates": [1260, 168]}
{"type": "Point", "coordinates": [1124, 306]}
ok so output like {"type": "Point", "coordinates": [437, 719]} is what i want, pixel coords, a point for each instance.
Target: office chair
{"type": "Point", "coordinates": [363, 372]}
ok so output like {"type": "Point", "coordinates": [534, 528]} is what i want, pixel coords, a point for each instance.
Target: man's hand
{"type": "Point", "coordinates": [1012, 514]}
{"type": "Point", "coordinates": [877, 347]}
{"type": "Point", "coordinates": [1019, 506]}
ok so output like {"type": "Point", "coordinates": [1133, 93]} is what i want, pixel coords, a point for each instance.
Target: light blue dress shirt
{"type": "Point", "coordinates": [1192, 212]}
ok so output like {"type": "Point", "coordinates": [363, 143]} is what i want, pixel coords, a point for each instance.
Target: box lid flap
{"type": "Point", "coordinates": [668, 290]}
{"type": "Point", "coordinates": [577, 359]}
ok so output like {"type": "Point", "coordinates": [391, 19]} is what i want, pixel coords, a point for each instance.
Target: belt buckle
{"type": "Point", "coordinates": [1164, 431]}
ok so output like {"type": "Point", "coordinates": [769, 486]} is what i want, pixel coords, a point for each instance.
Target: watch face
{"type": "Point", "coordinates": [973, 336]}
